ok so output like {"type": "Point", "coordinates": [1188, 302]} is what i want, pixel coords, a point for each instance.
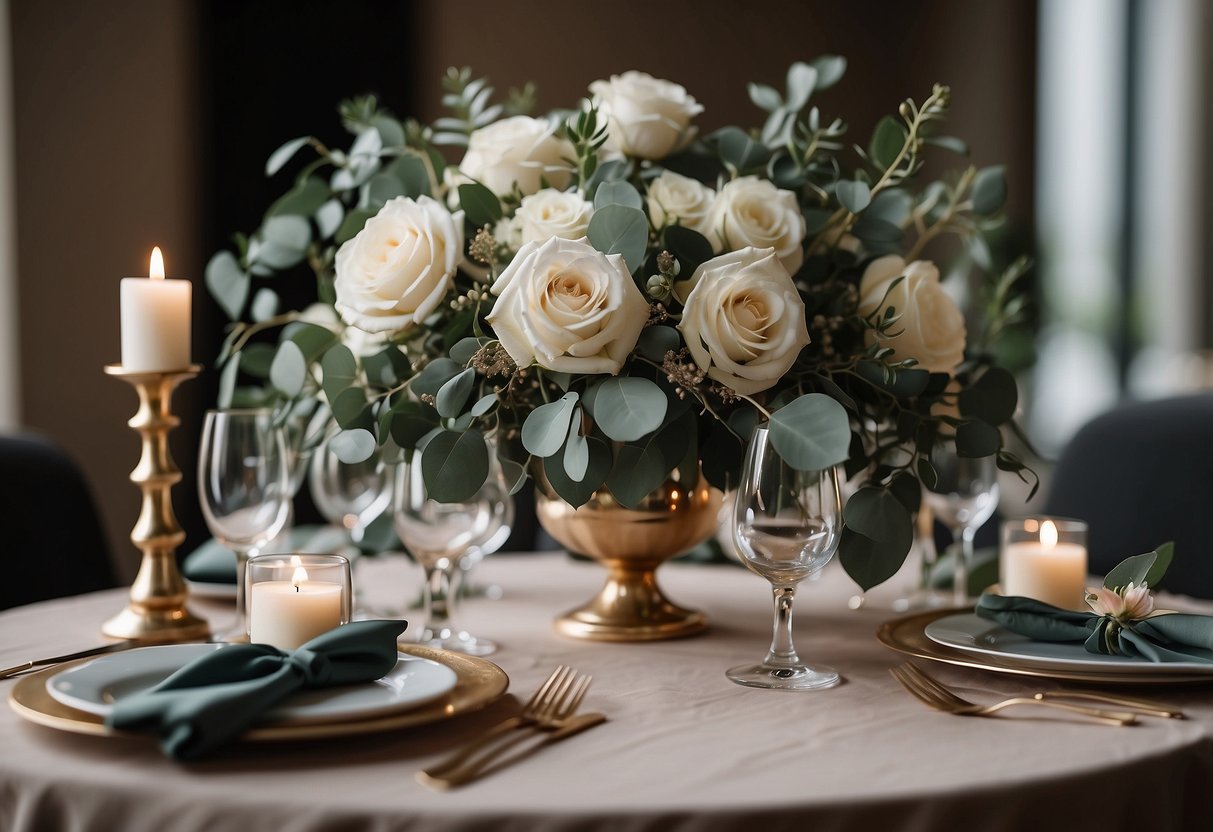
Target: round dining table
{"type": "Point", "coordinates": [683, 748]}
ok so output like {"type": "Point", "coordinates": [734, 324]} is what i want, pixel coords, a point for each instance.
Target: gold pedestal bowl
{"type": "Point", "coordinates": [631, 543]}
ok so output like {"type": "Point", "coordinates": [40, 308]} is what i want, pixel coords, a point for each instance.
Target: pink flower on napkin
{"type": "Point", "coordinates": [1132, 603]}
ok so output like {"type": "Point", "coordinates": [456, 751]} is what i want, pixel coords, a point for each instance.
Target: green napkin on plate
{"type": "Point", "coordinates": [214, 699]}
{"type": "Point", "coordinates": [214, 563]}
{"type": "Point", "coordinates": [1167, 637]}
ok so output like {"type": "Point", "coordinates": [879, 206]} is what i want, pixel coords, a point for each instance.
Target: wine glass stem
{"type": "Point", "coordinates": [240, 629]}
{"type": "Point", "coordinates": [783, 651]}
{"type": "Point", "coordinates": [964, 562]}
{"type": "Point", "coordinates": [440, 586]}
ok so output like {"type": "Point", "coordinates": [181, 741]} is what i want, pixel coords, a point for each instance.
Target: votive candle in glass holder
{"type": "Point", "coordinates": [294, 598]}
{"type": "Point", "coordinates": [1045, 558]}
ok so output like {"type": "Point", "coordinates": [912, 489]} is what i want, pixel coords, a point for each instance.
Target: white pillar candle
{"type": "Point", "coordinates": [155, 320]}
{"type": "Point", "coordinates": [1046, 570]}
{"type": "Point", "coordinates": [286, 614]}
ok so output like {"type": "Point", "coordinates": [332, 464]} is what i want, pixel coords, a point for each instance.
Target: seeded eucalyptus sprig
{"type": "Point", "coordinates": [468, 100]}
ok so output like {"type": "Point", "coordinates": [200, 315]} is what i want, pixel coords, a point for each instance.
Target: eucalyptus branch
{"type": "Point", "coordinates": [252, 329]}
{"type": "Point", "coordinates": [955, 205]}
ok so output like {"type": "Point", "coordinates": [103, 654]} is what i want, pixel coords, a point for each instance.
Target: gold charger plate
{"type": "Point", "coordinates": [480, 682]}
{"type": "Point", "coordinates": [908, 635]}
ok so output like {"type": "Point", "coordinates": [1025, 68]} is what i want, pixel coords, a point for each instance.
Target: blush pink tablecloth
{"type": "Point", "coordinates": [685, 748]}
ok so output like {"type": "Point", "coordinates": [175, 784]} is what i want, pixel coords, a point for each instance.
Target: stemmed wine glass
{"type": "Point", "coordinates": [787, 525]}
{"type": "Point", "coordinates": [350, 495]}
{"type": "Point", "coordinates": [963, 498]}
{"type": "Point", "coordinates": [243, 486]}
{"type": "Point", "coordinates": [441, 536]}
{"type": "Point", "coordinates": [501, 523]}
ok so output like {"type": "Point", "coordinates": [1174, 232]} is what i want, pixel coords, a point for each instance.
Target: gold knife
{"type": "Point", "coordinates": [25, 667]}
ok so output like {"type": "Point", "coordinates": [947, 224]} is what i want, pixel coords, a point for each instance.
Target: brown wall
{"type": "Point", "coordinates": [106, 162]}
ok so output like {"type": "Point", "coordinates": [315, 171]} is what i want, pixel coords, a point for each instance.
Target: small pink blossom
{"type": "Point", "coordinates": [1132, 603]}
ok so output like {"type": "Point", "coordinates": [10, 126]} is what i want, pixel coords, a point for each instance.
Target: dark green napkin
{"type": "Point", "coordinates": [1172, 637]}
{"type": "Point", "coordinates": [215, 698]}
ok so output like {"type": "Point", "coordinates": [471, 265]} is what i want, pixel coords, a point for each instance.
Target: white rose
{"type": "Point", "coordinates": [552, 213]}
{"type": "Point", "coordinates": [648, 118]}
{"type": "Point", "coordinates": [679, 200]}
{"type": "Point", "coordinates": [569, 307]}
{"type": "Point", "coordinates": [399, 266]}
{"type": "Point", "coordinates": [520, 151]}
{"type": "Point", "coordinates": [752, 212]}
{"type": "Point", "coordinates": [744, 320]}
{"type": "Point", "coordinates": [930, 327]}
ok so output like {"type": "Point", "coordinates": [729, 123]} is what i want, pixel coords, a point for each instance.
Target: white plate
{"type": "Point", "coordinates": [95, 687]}
{"type": "Point", "coordinates": [972, 634]}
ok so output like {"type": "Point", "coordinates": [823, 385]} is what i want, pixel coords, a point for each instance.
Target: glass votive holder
{"type": "Point", "coordinates": [294, 598]}
{"type": "Point", "coordinates": [1045, 558]}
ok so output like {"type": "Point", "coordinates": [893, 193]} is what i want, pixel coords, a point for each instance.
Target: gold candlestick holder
{"type": "Point", "coordinates": [157, 611]}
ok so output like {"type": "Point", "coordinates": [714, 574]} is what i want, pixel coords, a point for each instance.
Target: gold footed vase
{"type": "Point", "coordinates": [631, 544]}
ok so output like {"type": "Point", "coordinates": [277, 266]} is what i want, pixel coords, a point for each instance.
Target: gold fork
{"type": "Point", "coordinates": [934, 695]}
{"type": "Point", "coordinates": [556, 700]}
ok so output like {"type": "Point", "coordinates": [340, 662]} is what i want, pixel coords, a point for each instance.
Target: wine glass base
{"type": "Point", "coordinates": [458, 643]}
{"type": "Point", "coordinates": [798, 677]}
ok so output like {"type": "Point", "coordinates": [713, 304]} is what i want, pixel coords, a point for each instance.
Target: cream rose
{"type": "Point", "coordinates": [648, 118]}
{"type": "Point", "coordinates": [752, 212]}
{"type": "Point", "coordinates": [397, 269]}
{"type": "Point", "coordinates": [552, 213]}
{"type": "Point", "coordinates": [519, 150]}
{"type": "Point", "coordinates": [674, 199]}
{"type": "Point", "coordinates": [930, 327]}
{"type": "Point", "coordinates": [569, 307]}
{"type": "Point", "coordinates": [744, 320]}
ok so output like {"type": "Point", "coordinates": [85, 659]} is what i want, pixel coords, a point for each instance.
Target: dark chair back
{"type": "Point", "coordinates": [50, 534]}
{"type": "Point", "coordinates": [1141, 475]}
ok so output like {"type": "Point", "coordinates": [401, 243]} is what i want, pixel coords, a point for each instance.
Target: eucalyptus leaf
{"type": "Point", "coordinates": [812, 433]}
{"type": "Point", "coordinates": [617, 193]}
{"type": "Point", "coordinates": [547, 426]}
{"type": "Point", "coordinates": [455, 465]}
{"type": "Point", "coordinates": [329, 217]}
{"type": "Point", "coordinates": [256, 359]}
{"type": "Point", "coordinates": [410, 421]}
{"type": "Point", "coordinates": [975, 439]}
{"type": "Point", "coordinates": [618, 229]}
{"type": "Point", "coordinates": [637, 472]}
{"type": "Point", "coordinates": [577, 493]}
{"type": "Point", "coordinates": [989, 190]}
{"type": "Point", "coordinates": [691, 248]}
{"type": "Point", "coordinates": [352, 224]}
{"type": "Point", "coordinates": [629, 407]}
{"type": "Point", "coordinates": [576, 450]}
{"type": "Point", "coordinates": [289, 370]}
{"type": "Point", "coordinates": [887, 141]}
{"type": "Point", "coordinates": [387, 368]}
{"type": "Point", "coordinates": [228, 283]}
{"type": "Point", "coordinates": [853, 194]}
{"type": "Point", "coordinates": [872, 562]}
{"type": "Point", "coordinates": [830, 69]}
{"type": "Point", "coordinates": [340, 370]}
{"type": "Point", "coordinates": [412, 172]}
{"type": "Point", "coordinates": [288, 232]}
{"type": "Point", "coordinates": [992, 398]}
{"type": "Point", "coordinates": [480, 205]}
{"type": "Point", "coordinates": [350, 408]}
{"type": "Point", "coordinates": [227, 381]}
{"type": "Point", "coordinates": [876, 230]}
{"type": "Point", "coordinates": [1141, 569]}
{"type": "Point", "coordinates": [655, 341]}
{"type": "Point", "coordinates": [265, 305]}
{"type": "Point", "coordinates": [739, 150]}
{"type": "Point", "coordinates": [461, 353]}
{"type": "Point", "coordinates": [302, 200]}
{"type": "Point", "coordinates": [802, 80]}
{"type": "Point", "coordinates": [453, 395]}
{"type": "Point", "coordinates": [764, 97]}
{"type": "Point", "coordinates": [483, 405]}
{"type": "Point", "coordinates": [284, 154]}
{"type": "Point", "coordinates": [353, 446]}
{"type": "Point", "coordinates": [435, 374]}
{"type": "Point", "coordinates": [380, 188]}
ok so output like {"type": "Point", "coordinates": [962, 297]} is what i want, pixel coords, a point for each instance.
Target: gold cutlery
{"type": "Point", "coordinates": [25, 667]}
{"type": "Point", "coordinates": [933, 694]}
{"type": "Point", "coordinates": [1147, 708]}
{"type": "Point", "coordinates": [549, 709]}
{"type": "Point", "coordinates": [485, 765]}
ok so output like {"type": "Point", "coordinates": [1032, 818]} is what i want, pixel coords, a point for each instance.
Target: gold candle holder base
{"type": "Point", "coordinates": [157, 612]}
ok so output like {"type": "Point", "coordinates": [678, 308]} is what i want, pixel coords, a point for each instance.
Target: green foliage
{"type": "Point", "coordinates": [1146, 569]}
{"type": "Point", "coordinates": [627, 408]}
{"type": "Point", "coordinates": [618, 229]}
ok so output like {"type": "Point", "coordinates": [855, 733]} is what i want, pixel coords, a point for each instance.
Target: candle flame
{"type": "Point", "coordinates": [1048, 534]}
{"type": "Point", "coordinates": [299, 577]}
{"type": "Point", "coordinates": [155, 269]}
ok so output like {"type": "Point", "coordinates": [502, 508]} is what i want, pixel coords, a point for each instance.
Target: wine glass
{"type": "Point", "coordinates": [243, 486]}
{"type": "Point", "coordinates": [963, 498]}
{"type": "Point", "coordinates": [439, 536]}
{"type": "Point", "coordinates": [787, 525]}
{"type": "Point", "coordinates": [350, 495]}
{"type": "Point", "coordinates": [500, 524]}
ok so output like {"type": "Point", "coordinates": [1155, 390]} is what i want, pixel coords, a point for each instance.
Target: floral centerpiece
{"type": "Point", "coordinates": [607, 296]}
